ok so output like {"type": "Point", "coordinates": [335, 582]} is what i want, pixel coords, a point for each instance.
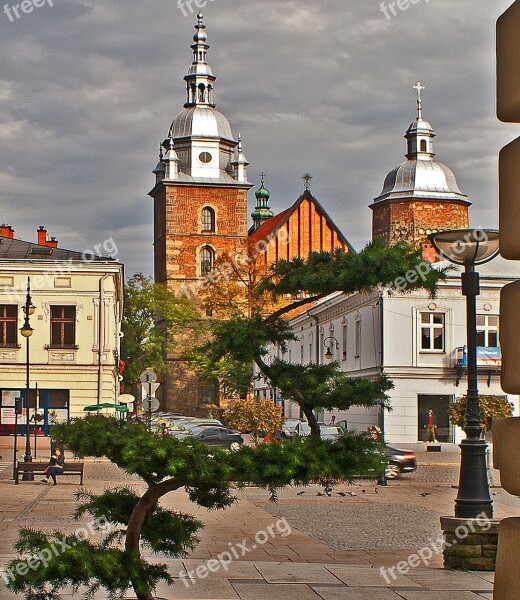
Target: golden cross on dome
{"type": "Point", "coordinates": [419, 87]}
{"type": "Point", "coordinates": [307, 178]}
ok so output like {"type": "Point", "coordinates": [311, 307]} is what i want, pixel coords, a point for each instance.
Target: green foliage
{"type": "Point", "coordinates": [152, 313]}
{"type": "Point", "coordinates": [327, 387]}
{"type": "Point", "coordinates": [69, 560]}
{"type": "Point", "coordinates": [208, 476]}
{"type": "Point", "coordinates": [173, 534]}
{"type": "Point", "coordinates": [250, 340]}
{"type": "Point", "coordinates": [491, 407]}
{"type": "Point", "coordinates": [324, 273]}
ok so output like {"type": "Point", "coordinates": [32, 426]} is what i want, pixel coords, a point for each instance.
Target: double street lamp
{"type": "Point", "coordinates": [471, 247]}
{"type": "Point", "coordinates": [27, 331]}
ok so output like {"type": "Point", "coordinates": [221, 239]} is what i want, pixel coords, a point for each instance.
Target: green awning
{"type": "Point", "coordinates": [95, 407]}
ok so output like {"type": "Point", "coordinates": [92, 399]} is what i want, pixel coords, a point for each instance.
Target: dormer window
{"type": "Point", "coordinates": [208, 220]}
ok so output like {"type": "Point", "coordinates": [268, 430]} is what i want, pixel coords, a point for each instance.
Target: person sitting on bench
{"type": "Point", "coordinates": [55, 467]}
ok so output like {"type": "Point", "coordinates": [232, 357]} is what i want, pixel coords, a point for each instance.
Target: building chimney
{"type": "Point", "coordinates": [42, 236]}
{"type": "Point", "coordinates": [6, 231]}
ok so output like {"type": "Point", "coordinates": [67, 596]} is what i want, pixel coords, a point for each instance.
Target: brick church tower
{"type": "Point", "coordinates": [201, 186]}
{"type": "Point", "coordinates": [200, 204]}
{"type": "Point", "coordinates": [420, 196]}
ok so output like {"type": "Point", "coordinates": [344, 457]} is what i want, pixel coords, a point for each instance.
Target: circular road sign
{"type": "Point", "coordinates": [148, 377]}
{"type": "Point", "coordinates": [126, 398]}
{"type": "Point", "coordinates": [151, 404]}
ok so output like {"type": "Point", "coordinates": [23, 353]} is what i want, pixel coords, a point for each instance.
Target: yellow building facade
{"type": "Point", "coordinates": [74, 347]}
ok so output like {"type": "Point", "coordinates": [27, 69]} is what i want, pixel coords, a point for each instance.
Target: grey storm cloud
{"type": "Point", "coordinates": [88, 89]}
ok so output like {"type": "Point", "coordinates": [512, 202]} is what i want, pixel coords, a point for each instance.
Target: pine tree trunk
{"type": "Point", "coordinates": [133, 536]}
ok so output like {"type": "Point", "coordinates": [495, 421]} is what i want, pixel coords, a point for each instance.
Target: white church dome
{"type": "Point", "coordinates": [203, 122]}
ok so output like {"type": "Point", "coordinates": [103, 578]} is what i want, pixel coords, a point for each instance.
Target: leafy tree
{"type": "Point", "coordinates": [491, 407]}
{"type": "Point", "coordinates": [165, 464]}
{"type": "Point", "coordinates": [233, 288]}
{"type": "Point", "coordinates": [248, 339]}
{"type": "Point", "coordinates": [152, 315]}
{"type": "Point", "coordinates": [254, 415]}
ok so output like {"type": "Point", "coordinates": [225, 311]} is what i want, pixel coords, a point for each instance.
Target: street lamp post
{"type": "Point", "coordinates": [27, 331]}
{"type": "Point", "coordinates": [471, 247]}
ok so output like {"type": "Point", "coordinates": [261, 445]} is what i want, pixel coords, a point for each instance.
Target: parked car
{"type": "Point", "coordinates": [289, 427]}
{"type": "Point", "coordinates": [216, 437]}
{"type": "Point", "coordinates": [327, 432]}
{"type": "Point", "coordinates": [399, 462]}
{"type": "Point", "coordinates": [189, 425]}
{"type": "Point", "coordinates": [343, 424]}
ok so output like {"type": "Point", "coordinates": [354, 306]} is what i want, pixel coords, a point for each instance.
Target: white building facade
{"type": "Point", "coordinates": [417, 341]}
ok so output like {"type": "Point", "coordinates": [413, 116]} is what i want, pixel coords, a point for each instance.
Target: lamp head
{"type": "Point", "coordinates": [26, 330]}
{"type": "Point", "coordinates": [466, 246]}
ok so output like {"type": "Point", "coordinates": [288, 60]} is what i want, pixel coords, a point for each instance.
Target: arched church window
{"type": "Point", "coordinates": [208, 219]}
{"type": "Point", "coordinates": [424, 146]}
{"type": "Point", "coordinates": [202, 93]}
{"type": "Point", "coordinates": [207, 260]}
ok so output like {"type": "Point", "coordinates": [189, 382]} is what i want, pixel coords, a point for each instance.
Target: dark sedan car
{"type": "Point", "coordinates": [217, 437]}
{"type": "Point", "coordinates": [399, 462]}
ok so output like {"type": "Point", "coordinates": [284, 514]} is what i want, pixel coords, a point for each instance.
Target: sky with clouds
{"type": "Point", "coordinates": [88, 89]}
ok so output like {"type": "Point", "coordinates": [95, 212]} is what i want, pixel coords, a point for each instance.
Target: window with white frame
{"type": "Point", "coordinates": [311, 357]}
{"type": "Point", "coordinates": [487, 331]}
{"type": "Point", "coordinates": [302, 350]}
{"type": "Point", "coordinates": [344, 339]}
{"type": "Point", "coordinates": [432, 332]}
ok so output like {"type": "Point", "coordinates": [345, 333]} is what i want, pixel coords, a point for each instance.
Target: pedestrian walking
{"type": "Point", "coordinates": [55, 467]}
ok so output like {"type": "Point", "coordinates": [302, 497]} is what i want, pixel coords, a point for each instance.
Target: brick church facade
{"type": "Point", "coordinates": [201, 213]}
{"type": "Point", "coordinates": [420, 196]}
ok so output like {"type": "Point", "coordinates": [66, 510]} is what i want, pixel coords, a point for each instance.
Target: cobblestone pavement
{"type": "Point", "coordinates": [334, 550]}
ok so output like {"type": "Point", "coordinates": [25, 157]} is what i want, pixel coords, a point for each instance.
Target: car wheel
{"type": "Point", "coordinates": [234, 446]}
{"type": "Point", "coordinates": [392, 472]}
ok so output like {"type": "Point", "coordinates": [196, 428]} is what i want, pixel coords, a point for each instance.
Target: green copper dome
{"type": "Point", "coordinates": [263, 194]}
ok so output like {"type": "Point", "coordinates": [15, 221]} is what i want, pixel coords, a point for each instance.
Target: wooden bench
{"type": "Point", "coordinates": [38, 468]}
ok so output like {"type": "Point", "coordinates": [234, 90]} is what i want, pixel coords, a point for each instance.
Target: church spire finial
{"type": "Point", "coordinates": [307, 179]}
{"type": "Point", "coordinates": [200, 79]}
{"type": "Point", "coordinates": [419, 88]}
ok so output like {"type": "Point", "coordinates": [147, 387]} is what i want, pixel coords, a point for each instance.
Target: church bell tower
{"type": "Point", "coordinates": [200, 194]}
{"type": "Point", "coordinates": [200, 209]}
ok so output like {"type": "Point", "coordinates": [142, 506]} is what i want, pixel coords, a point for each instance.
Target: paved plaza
{"type": "Point", "coordinates": [328, 547]}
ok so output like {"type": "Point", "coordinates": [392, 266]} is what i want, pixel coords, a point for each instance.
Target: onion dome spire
{"type": "Point", "coordinates": [262, 211]}
{"type": "Point", "coordinates": [420, 134]}
{"type": "Point", "coordinates": [200, 79]}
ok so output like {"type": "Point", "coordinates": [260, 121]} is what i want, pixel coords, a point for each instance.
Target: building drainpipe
{"type": "Point", "coordinates": [382, 477]}
{"type": "Point", "coordinates": [101, 337]}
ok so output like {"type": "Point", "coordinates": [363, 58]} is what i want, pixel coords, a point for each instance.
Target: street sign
{"type": "Point", "coordinates": [150, 404]}
{"type": "Point", "coordinates": [148, 377]}
{"type": "Point", "coordinates": [126, 399]}
{"type": "Point", "coordinates": [149, 389]}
